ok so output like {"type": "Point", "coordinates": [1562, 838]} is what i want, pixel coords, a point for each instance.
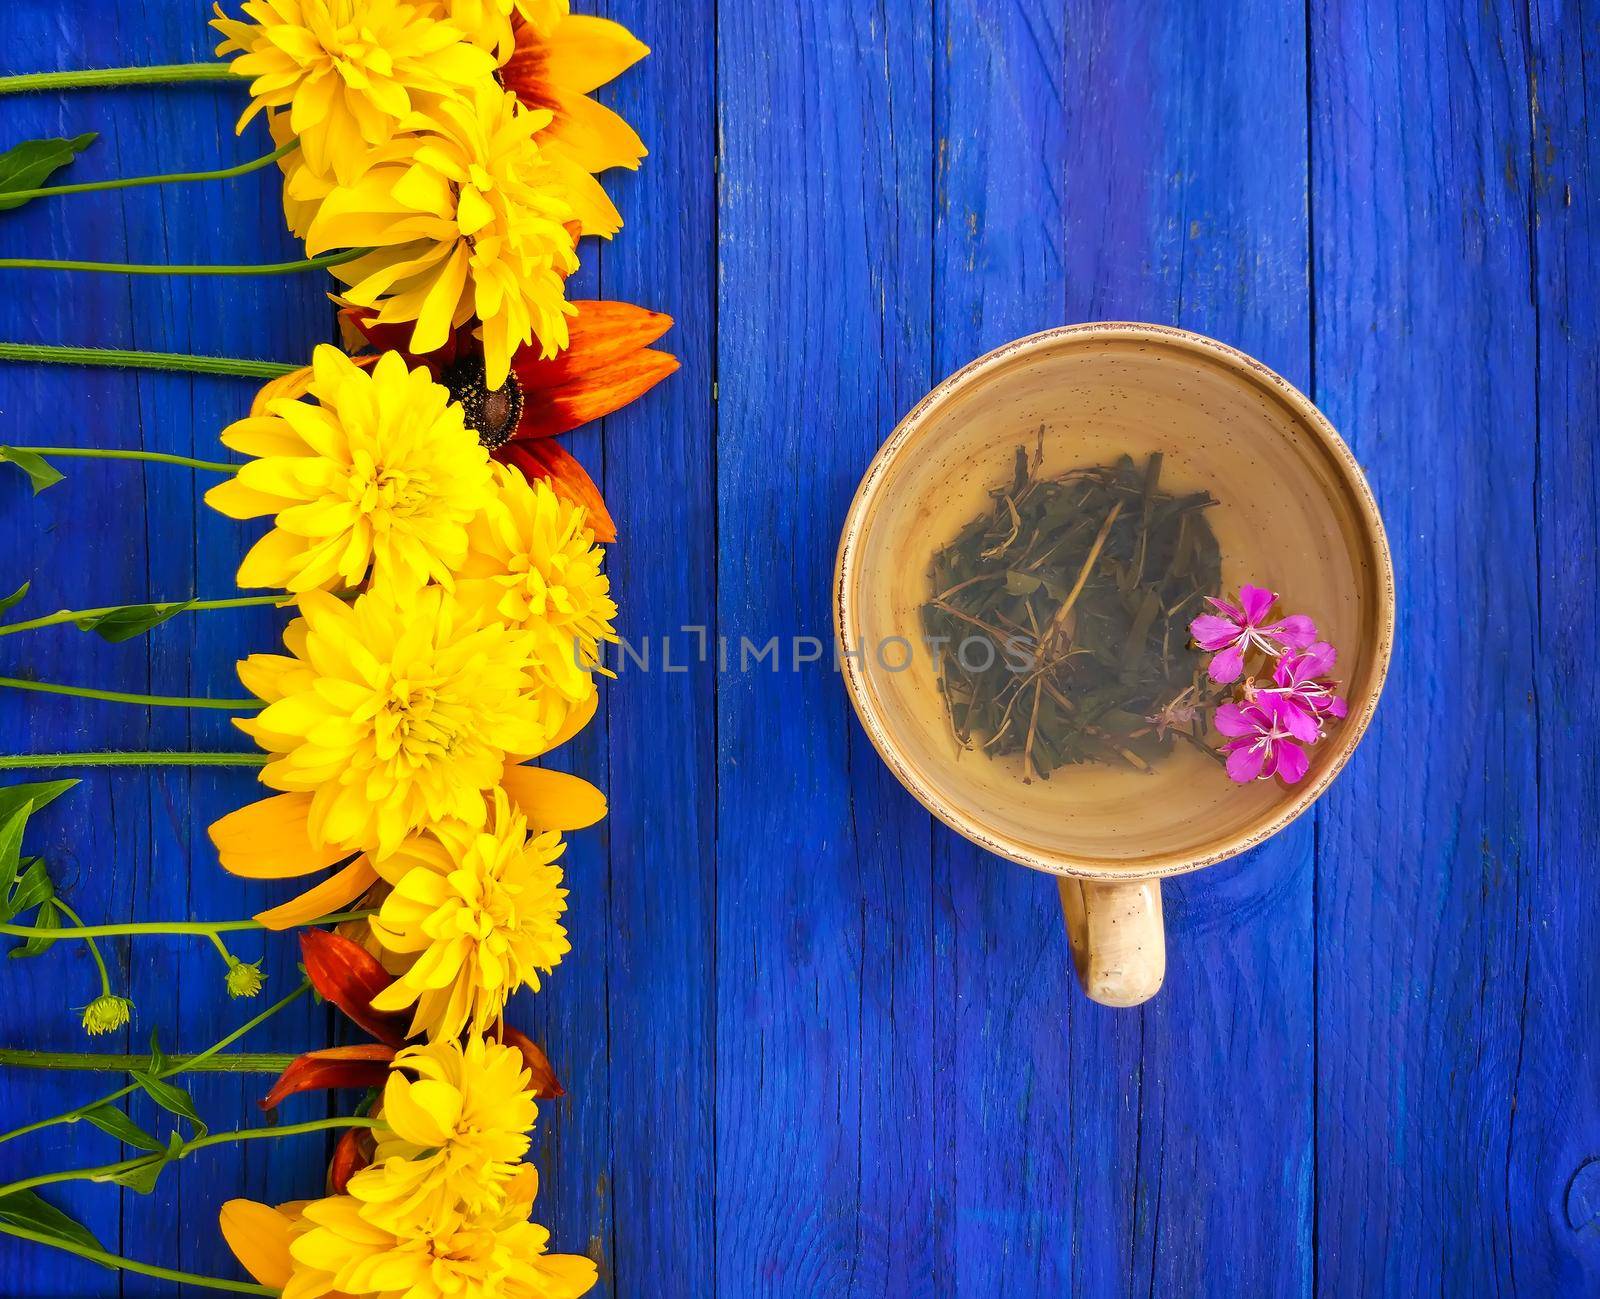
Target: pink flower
{"type": "Point", "coordinates": [1181, 710]}
{"type": "Point", "coordinates": [1266, 736]}
{"type": "Point", "coordinates": [1301, 682]}
{"type": "Point", "coordinates": [1243, 627]}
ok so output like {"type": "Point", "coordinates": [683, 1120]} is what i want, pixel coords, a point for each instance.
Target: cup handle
{"type": "Point", "coordinates": [1118, 944]}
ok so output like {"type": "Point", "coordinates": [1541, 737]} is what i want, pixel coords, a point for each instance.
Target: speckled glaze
{"type": "Point", "coordinates": [1295, 514]}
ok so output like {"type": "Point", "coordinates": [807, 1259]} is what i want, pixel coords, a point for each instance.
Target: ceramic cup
{"type": "Point", "coordinates": [1294, 515]}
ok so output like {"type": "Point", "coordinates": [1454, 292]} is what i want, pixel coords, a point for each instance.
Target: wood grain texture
{"type": "Point", "coordinates": [814, 1046]}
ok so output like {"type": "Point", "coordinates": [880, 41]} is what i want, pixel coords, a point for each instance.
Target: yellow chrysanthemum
{"type": "Point", "coordinates": [329, 1248]}
{"type": "Point", "coordinates": [533, 563]}
{"type": "Point", "coordinates": [470, 222]}
{"type": "Point", "coordinates": [393, 712]}
{"type": "Point", "coordinates": [347, 70]}
{"type": "Point", "coordinates": [478, 915]}
{"type": "Point", "coordinates": [455, 1127]}
{"type": "Point", "coordinates": [381, 474]}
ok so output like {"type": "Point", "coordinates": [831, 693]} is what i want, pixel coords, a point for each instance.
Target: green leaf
{"type": "Point", "coordinates": [1021, 583]}
{"type": "Point", "coordinates": [38, 793]}
{"type": "Point", "coordinates": [158, 1061]}
{"type": "Point", "coordinates": [140, 1177]}
{"type": "Point", "coordinates": [172, 1099]}
{"type": "Point", "coordinates": [29, 164]}
{"type": "Point", "coordinates": [27, 1210]}
{"type": "Point", "coordinates": [15, 598]}
{"type": "Point", "coordinates": [42, 473]}
{"type": "Point", "coordinates": [108, 1118]}
{"type": "Point", "coordinates": [117, 625]}
{"type": "Point", "coordinates": [33, 889]}
{"type": "Point", "coordinates": [48, 918]}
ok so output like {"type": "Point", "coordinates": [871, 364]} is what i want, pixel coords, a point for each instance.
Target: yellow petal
{"type": "Point", "coordinates": [259, 1237]}
{"type": "Point", "coordinates": [324, 899]}
{"type": "Point", "coordinates": [553, 800]}
{"type": "Point", "coordinates": [269, 840]}
{"type": "Point", "coordinates": [585, 52]}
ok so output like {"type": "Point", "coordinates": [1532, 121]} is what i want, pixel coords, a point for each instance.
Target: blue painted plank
{"type": "Point", "coordinates": [1429, 855]}
{"type": "Point", "coordinates": [1553, 1165]}
{"type": "Point", "coordinates": [660, 484]}
{"type": "Point", "coordinates": [825, 970]}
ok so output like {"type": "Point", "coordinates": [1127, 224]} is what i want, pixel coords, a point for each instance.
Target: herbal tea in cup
{"type": "Point", "coordinates": [1152, 707]}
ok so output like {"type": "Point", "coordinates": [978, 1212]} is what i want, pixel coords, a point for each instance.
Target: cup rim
{"type": "Point", "coordinates": [847, 630]}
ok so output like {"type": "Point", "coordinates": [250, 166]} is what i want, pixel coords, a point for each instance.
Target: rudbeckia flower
{"type": "Point", "coordinates": [328, 1248]}
{"type": "Point", "coordinates": [477, 914]}
{"type": "Point", "coordinates": [468, 220]}
{"type": "Point", "coordinates": [347, 71]}
{"type": "Point", "coordinates": [390, 713]}
{"type": "Point", "coordinates": [532, 563]}
{"type": "Point", "coordinates": [607, 364]}
{"type": "Point", "coordinates": [455, 1124]}
{"type": "Point", "coordinates": [378, 473]}
{"type": "Point", "coordinates": [556, 59]}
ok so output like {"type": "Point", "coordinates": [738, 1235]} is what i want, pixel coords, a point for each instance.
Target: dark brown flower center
{"type": "Point", "coordinates": [493, 412]}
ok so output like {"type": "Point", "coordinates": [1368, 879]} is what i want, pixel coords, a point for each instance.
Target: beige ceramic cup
{"type": "Point", "coordinates": [1295, 515]}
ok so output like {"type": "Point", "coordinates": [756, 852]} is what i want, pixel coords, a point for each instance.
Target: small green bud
{"type": "Point", "coordinates": [245, 978]}
{"type": "Point", "coordinates": [106, 1013]}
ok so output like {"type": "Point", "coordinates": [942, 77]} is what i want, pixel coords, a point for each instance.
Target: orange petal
{"type": "Point", "coordinates": [366, 1065]}
{"type": "Point", "coordinates": [269, 840]}
{"type": "Point", "coordinates": [542, 1082]}
{"type": "Point", "coordinates": [349, 976]}
{"type": "Point", "coordinates": [259, 1237]}
{"type": "Point", "coordinates": [597, 393]}
{"type": "Point", "coordinates": [323, 900]}
{"type": "Point", "coordinates": [353, 1152]}
{"type": "Point", "coordinates": [553, 800]}
{"type": "Point", "coordinates": [600, 333]}
{"type": "Point", "coordinates": [546, 458]}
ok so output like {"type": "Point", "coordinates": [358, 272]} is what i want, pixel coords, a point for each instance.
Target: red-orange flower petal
{"type": "Point", "coordinates": [543, 1082]}
{"type": "Point", "coordinates": [546, 458]}
{"type": "Point", "coordinates": [601, 332]}
{"type": "Point", "coordinates": [366, 1065]}
{"type": "Point", "coordinates": [349, 976]}
{"type": "Point", "coordinates": [597, 392]}
{"type": "Point", "coordinates": [353, 1153]}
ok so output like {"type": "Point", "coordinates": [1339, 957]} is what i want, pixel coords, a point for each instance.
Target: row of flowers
{"type": "Point", "coordinates": [442, 557]}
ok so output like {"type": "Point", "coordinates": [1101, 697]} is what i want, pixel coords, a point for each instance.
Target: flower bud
{"type": "Point", "coordinates": [106, 1013]}
{"type": "Point", "coordinates": [244, 978]}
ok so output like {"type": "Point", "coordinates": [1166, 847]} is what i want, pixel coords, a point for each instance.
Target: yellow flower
{"type": "Point", "coordinates": [453, 1134]}
{"type": "Point", "coordinates": [469, 222]}
{"type": "Point", "coordinates": [106, 1014]}
{"type": "Point", "coordinates": [478, 915]}
{"type": "Point", "coordinates": [347, 70]}
{"type": "Point", "coordinates": [328, 1248]}
{"type": "Point", "coordinates": [380, 474]}
{"type": "Point", "coordinates": [532, 563]}
{"type": "Point", "coordinates": [392, 713]}
{"type": "Point", "coordinates": [557, 58]}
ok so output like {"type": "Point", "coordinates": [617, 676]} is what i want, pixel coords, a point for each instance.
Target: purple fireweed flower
{"type": "Point", "coordinates": [1265, 739]}
{"type": "Point", "coordinates": [1242, 627]}
{"type": "Point", "coordinates": [1301, 682]}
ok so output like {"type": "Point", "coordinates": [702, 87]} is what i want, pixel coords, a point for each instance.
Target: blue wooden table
{"type": "Point", "coordinates": [813, 1044]}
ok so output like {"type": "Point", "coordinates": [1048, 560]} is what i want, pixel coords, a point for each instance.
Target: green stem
{"type": "Point", "coordinates": [143, 758]}
{"type": "Point", "coordinates": [157, 75]}
{"type": "Point", "coordinates": [110, 1062]}
{"type": "Point", "coordinates": [122, 697]}
{"type": "Point", "coordinates": [49, 354]}
{"type": "Point", "coordinates": [129, 1265]}
{"type": "Point", "coordinates": [189, 928]}
{"type": "Point", "coordinates": [173, 1067]}
{"type": "Point", "coordinates": [94, 947]}
{"type": "Point", "coordinates": [106, 1172]}
{"type": "Point", "coordinates": [175, 177]}
{"type": "Point", "coordinates": [142, 268]}
{"type": "Point", "coordinates": [197, 606]}
{"type": "Point", "coordinates": [155, 457]}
